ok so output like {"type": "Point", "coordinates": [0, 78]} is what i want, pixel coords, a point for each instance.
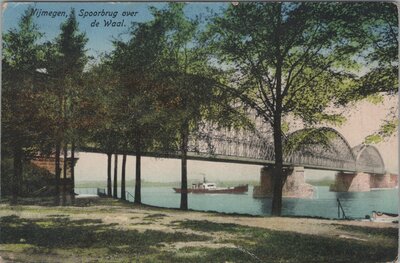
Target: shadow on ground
{"type": "Point", "coordinates": [264, 245]}
{"type": "Point", "coordinates": [60, 237]}
{"type": "Point", "coordinates": [59, 232]}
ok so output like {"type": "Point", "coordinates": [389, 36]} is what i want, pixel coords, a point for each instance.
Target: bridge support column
{"type": "Point", "coordinates": [363, 182]}
{"type": "Point", "coordinates": [295, 185]}
{"type": "Point", "coordinates": [394, 180]}
{"type": "Point", "coordinates": [383, 180]}
{"type": "Point", "coordinates": [348, 182]}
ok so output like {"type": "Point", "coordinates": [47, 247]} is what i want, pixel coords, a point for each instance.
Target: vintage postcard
{"type": "Point", "coordinates": [199, 132]}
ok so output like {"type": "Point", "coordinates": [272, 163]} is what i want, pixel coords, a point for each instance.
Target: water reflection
{"type": "Point", "coordinates": [265, 205]}
{"type": "Point", "coordinates": [345, 195]}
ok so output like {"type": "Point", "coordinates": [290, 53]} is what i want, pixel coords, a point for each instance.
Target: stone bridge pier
{"type": "Point", "coordinates": [295, 185]}
{"type": "Point", "coordinates": [362, 182]}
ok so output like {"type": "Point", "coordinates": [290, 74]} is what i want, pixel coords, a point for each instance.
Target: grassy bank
{"type": "Point", "coordinates": [107, 230]}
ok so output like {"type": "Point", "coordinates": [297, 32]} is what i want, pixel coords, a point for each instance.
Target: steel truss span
{"type": "Point", "coordinates": [368, 159]}
{"type": "Point", "coordinates": [321, 148]}
{"type": "Point", "coordinates": [331, 152]}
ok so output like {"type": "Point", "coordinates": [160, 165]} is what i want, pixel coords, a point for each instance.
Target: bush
{"type": "Point", "coordinates": [35, 181]}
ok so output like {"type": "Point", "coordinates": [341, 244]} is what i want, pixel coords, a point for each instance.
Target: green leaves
{"type": "Point", "coordinates": [22, 56]}
{"type": "Point", "coordinates": [71, 45]}
{"type": "Point", "coordinates": [387, 129]}
{"type": "Point", "coordinates": [304, 58]}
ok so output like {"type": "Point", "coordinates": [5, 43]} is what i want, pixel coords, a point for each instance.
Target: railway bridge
{"type": "Point", "coordinates": [358, 168]}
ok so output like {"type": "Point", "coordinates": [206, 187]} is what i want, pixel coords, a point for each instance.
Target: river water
{"type": "Point", "coordinates": [324, 203]}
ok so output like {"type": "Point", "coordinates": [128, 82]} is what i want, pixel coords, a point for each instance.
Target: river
{"type": "Point", "coordinates": [324, 203]}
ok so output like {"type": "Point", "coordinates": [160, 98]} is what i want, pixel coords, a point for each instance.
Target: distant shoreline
{"type": "Point", "coordinates": [131, 183]}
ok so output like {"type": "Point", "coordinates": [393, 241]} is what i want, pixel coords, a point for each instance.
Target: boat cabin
{"type": "Point", "coordinates": [204, 186]}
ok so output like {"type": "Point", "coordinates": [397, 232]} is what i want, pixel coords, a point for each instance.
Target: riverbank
{"type": "Point", "coordinates": [107, 230]}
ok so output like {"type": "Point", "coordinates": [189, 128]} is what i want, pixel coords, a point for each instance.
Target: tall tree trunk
{"type": "Point", "coordinates": [64, 181]}
{"type": "Point", "coordinates": [58, 173]}
{"type": "Point", "coordinates": [17, 173]}
{"type": "Point", "coordinates": [277, 127]}
{"type": "Point", "coordinates": [278, 169]}
{"type": "Point", "coordinates": [123, 194]}
{"type": "Point", "coordinates": [72, 163]}
{"type": "Point", "coordinates": [65, 152]}
{"type": "Point", "coordinates": [138, 177]}
{"type": "Point", "coordinates": [115, 194]}
{"type": "Point", "coordinates": [20, 172]}
{"type": "Point", "coordinates": [73, 171]}
{"type": "Point", "coordinates": [109, 193]}
{"type": "Point", "coordinates": [184, 146]}
{"type": "Point", "coordinates": [138, 180]}
{"type": "Point", "coordinates": [278, 148]}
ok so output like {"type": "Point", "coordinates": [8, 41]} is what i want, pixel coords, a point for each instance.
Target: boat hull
{"type": "Point", "coordinates": [384, 217]}
{"type": "Point", "coordinates": [234, 190]}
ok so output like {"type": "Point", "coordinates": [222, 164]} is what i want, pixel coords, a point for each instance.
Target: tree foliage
{"type": "Point", "coordinates": [377, 27]}
{"type": "Point", "coordinates": [21, 123]}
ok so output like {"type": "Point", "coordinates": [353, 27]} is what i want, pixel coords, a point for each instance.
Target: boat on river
{"type": "Point", "coordinates": [383, 217]}
{"type": "Point", "coordinates": [211, 188]}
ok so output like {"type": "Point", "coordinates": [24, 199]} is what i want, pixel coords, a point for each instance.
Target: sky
{"type": "Point", "coordinates": [100, 38]}
{"type": "Point", "coordinates": [363, 118]}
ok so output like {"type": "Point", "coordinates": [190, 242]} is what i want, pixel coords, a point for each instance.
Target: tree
{"type": "Point", "coordinates": [123, 190]}
{"type": "Point", "coordinates": [66, 69]}
{"type": "Point", "coordinates": [115, 182]}
{"type": "Point", "coordinates": [134, 63]}
{"type": "Point", "coordinates": [147, 82]}
{"type": "Point", "coordinates": [287, 58]}
{"type": "Point", "coordinates": [179, 32]}
{"type": "Point", "coordinates": [376, 25]}
{"type": "Point", "coordinates": [188, 88]}
{"type": "Point", "coordinates": [99, 111]}
{"type": "Point", "coordinates": [22, 57]}
{"type": "Point", "coordinates": [378, 29]}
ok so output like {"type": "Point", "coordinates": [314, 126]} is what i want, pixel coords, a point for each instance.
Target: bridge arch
{"type": "Point", "coordinates": [334, 152]}
{"type": "Point", "coordinates": [368, 159]}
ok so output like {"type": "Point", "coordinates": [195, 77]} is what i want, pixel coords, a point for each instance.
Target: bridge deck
{"type": "Point", "coordinates": [231, 159]}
